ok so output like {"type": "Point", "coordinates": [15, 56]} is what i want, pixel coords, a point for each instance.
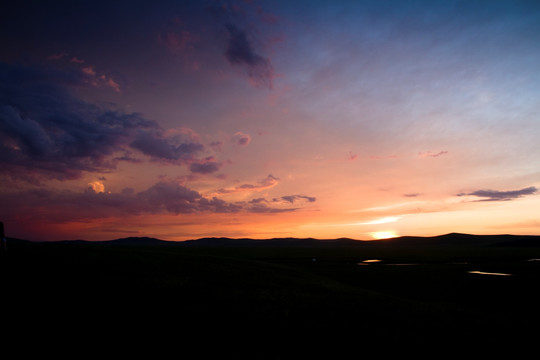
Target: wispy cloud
{"type": "Point", "coordinates": [240, 51]}
{"type": "Point", "coordinates": [243, 38]}
{"type": "Point", "coordinates": [432, 154]}
{"type": "Point", "coordinates": [97, 80]}
{"type": "Point", "coordinates": [87, 73]}
{"type": "Point", "coordinates": [266, 183]}
{"type": "Point", "coordinates": [495, 195]}
{"type": "Point", "coordinates": [293, 198]}
{"type": "Point", "coordinates": [279, 204]}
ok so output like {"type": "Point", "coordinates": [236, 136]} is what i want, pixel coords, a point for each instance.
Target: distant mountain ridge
{"type": "Point", "coordinates": [446, 239]}
{"type": "Point", "coordinates": [468, 239]}
{"type": "Point", "coordinates": [271, 242]}
{"type": "Point", "coordinates": [137, 241]}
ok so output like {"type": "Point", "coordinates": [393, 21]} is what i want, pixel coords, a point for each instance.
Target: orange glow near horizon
{"type": "Point", "coordinates": [387, 234]}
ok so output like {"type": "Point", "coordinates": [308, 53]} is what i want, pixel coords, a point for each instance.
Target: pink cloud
{"type": "Point", "coordinates": [178, 41]}
{"type": "Point", "coordinates": [113, 84]}
{"type": "Point", "coordinates": [99, 80]}
{"type": "Point", "coordinates": [89, 70]}
{"type": "Point", "coordinates": [216, 145]}
{"type": "Point", "coordinates": [76, 60]}
{"type": "Point", "coordinates": [242, 139]}
{"type": "Point", "coordinates": [266, 183]}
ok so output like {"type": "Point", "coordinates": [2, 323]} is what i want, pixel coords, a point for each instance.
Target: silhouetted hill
{"type": "Point", "coordinates": [122, 241]}
{"type": "Point", "coordinates": [139, 241]}
{"type": "Point", "coordinates": [451, 239]}
{"type": "Point", "coordinates": [225, 242]}
{"type": "Point", "coordinates": [455, 239]}
{"type": "Point", "coordinates": [274, 242]}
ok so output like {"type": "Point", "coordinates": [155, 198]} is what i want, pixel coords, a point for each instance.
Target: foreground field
{"type": "Point", "coordinates": [273, 302]}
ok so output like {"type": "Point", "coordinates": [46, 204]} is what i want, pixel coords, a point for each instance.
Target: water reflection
{"type": "Point", "coordinates": [489, 273]}
{"type": "Point", "coordinates": [370, 261]}
{"type": "Point", "coordinates": [374, 261]}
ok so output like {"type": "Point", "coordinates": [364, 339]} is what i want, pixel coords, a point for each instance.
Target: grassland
{"type": "Point", "coordinates": [272, 301]}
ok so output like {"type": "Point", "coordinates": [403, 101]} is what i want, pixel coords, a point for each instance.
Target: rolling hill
{"type": "Point", "coordinates": [440, 240]}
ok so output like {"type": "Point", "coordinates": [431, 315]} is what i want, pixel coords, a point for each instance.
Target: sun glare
{"type": "Point", "coordinates": [383, 220]}
{"type": "Point", "coordinates": [383, 234]}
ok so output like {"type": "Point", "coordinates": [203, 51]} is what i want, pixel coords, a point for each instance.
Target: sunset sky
{"type": "Point", "coordinates": [187, 119]}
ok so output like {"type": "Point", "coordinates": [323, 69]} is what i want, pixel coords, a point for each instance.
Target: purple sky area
{"type": "Point", "coordinates": [184, 119]}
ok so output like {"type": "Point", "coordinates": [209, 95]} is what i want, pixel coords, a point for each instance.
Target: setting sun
{"type": "Point", "coordinates": [383, 234]}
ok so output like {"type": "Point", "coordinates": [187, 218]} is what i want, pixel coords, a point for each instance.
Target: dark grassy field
{"type": "Point", "coordinates": [271, 301]}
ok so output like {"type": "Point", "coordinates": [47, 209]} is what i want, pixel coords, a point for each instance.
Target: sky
{"type": "Point", "coordinates": [262, 119]}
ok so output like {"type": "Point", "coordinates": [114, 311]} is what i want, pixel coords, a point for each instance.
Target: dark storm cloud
{"type": "Point", "coordinates": [62, 206]}
{"type": "Point", "coordinates": [171, 197]}
{"type": "Point", "coordinates": [494, 195]}
{"type": "Point", "coordinates": [240, 51]}
{"type": "Point", "coordinates": [155, 145]}
{"type": "Point", "coordinates": [164, 197]}
{"type": "Point", "coordinates": [206, 166]}
{"type": "Point", "coordinates": [46, 132]}
{"type": "Point", "coordinates": [168, 196]}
